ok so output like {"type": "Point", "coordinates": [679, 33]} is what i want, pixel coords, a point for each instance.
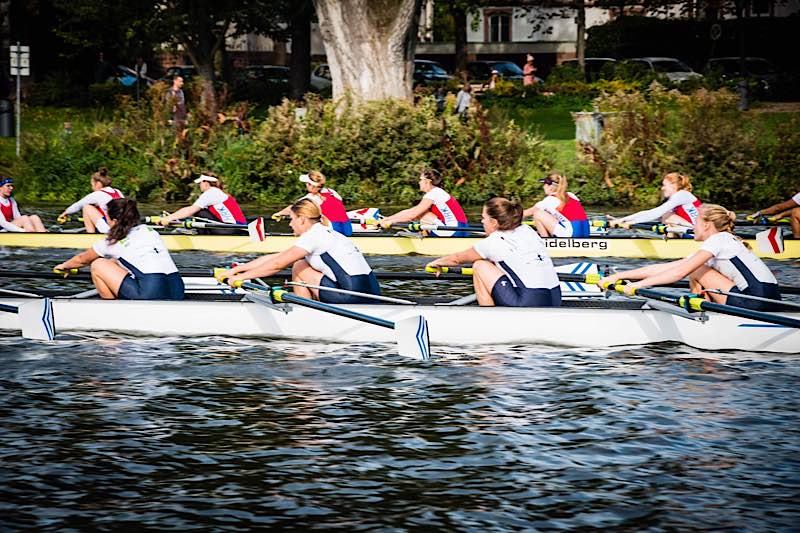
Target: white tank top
{"type": "Point", "coordinates": [142, 248]}
{"type": "Point", "coordinates": [522, 255]}
{"type": "Point", "coordinates": [329, 250]}
{"type": "Point", "coordinates": [735, 261]}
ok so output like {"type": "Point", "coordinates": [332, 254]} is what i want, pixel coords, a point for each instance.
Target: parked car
{"type": "Point", "coordinates": [426, 72]}
{"type": "Point", "coordinates": [482, 70]}
{"type": "Point", "coordinates": [272, 74]}
{"type": "Point", "coordinates": [673, 69]}
{"type": "Point", "coordinates": [127, 76]}
{"type": "Point", "coordinates": [321, 78]}
{"type": "Point", "coordinates": [767, 76]}
{"type": "Point", "coordinates": [596, 68]}
{"type": "Point", "coordinates": [187, 72]}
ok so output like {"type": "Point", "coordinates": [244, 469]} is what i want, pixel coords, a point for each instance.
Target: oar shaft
{"type": "Point", "coordinates": [9, 308]}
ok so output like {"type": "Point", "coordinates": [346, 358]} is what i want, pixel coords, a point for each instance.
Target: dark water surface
{"type": "Point", "coordinates": [215, 433]}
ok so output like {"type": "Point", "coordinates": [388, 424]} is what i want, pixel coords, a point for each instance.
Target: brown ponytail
{"type": "Point", "coordinates": [507, 213]}
{"type": "Point", "coordinates": [433, 175]}
{"type": "Point", "coordinates": [125, 212]}
{"type": "Point", "coordinates": [102, 177]}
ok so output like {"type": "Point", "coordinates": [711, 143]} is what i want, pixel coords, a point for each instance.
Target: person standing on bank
{"type": "Point", "coordinates": [10, 217]}
{"type": "Point", "coordinates": [132, 262]}
{"type": "Point", "coordinates": [177, 102]}
{"type": "Point", "coordinates": [463, 100]}
{"type": "Point", "coordinates": [529, 71]}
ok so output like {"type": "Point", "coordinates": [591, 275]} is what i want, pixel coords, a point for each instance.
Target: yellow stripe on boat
{"type": "Point", "coordinates": [401, 245]}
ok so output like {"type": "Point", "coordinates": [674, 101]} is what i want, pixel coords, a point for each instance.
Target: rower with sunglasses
{"type": "Point", "coordinates": [560, 213]}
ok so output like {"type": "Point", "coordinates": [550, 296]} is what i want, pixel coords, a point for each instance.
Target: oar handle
{"type": "Point", "coordinates": [463, 271]}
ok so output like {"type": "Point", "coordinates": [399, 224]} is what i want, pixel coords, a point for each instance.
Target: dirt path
{"type": "Point", "coordinates": [777, 107]}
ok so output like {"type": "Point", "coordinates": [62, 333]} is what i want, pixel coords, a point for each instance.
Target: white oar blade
{"type": "Point", "coordinates": [412, 337]}
{"type": "Point", "coordinates": [365, 216]}
{"type": "Point", "coordinates": [770, 241]}
{"type": "Point", "coordinates": [256, 230]}
{"type": "Point", "coordinates": [37, 320]}
{"type": "Point", "coordinates": [574, 287]}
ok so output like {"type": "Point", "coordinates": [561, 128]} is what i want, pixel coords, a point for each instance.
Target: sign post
{"type": "Point", "coordinates": [20, 66]}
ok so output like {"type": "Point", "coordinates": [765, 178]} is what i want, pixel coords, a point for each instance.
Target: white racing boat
{"type": "Point", "coordinates": [581, 322]}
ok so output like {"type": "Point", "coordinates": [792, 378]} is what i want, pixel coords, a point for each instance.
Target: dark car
{"type": "Point", "coordinates": [596, 68]}
{"type": "Point", "coordinates": [187, 72]}
{"type": "Point", "coordinates": [272, 74]}
{"type": "Point", "coordinates": [482, 70]}
{"type": "Point", "coordinates": [426, 72]}
{"type": "Point", "coordinates": [767, 76]}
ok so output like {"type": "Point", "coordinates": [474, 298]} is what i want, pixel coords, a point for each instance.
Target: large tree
{"type": "Point", "coordinates": [370, 46]}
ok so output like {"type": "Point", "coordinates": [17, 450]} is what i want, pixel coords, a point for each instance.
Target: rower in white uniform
{"type": "Point", "coordinates": [10, 217]}
{"type": "Point", "coordinates": [723, 262]}
{"type": "Point", "coordinates": [321, 256]}
{"type": "Point", "coordinates": [511, 266]}
{"type": "Point", "coordinates": [680, 208]}
{"type": "Point", "coordinates": [132, 262]}
{"type": "Point", "coordinates": [94, 205]}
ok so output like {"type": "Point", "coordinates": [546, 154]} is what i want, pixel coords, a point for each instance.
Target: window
{"type": "Point", "coordinates": [499, 27]}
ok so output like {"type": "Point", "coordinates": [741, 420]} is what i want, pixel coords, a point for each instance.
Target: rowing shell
{"type": "Point", "coordinates": [404, 245]}
{"type": "Point", "coordinates": [594, 323]}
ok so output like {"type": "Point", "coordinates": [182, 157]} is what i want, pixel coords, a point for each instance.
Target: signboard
{"type": "Point", "coordinates": [20, 60]}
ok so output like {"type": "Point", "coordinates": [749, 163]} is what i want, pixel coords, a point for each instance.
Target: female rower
{"type": "Point", "coordinates": [436, 207]}
{"type": "Point", "coordinates": [560, 214]}
{"type": "Point", "coordinates": [510, 266]}
{"type": "Point", "coordinates": [680, 208]}
{"type": "Point", "coordinates": [790, 208]}
{"type": "Point", "coordinates": [131, 263]}
{"type": "Point", "coordinates": [320, 256]}
{"type": "Point", "coordinates": [329, 201]}
{"type": "Point", "coordinates": [213, 203]}
{"type": "Point", "coordinates": [10, 217]}
{"type": "Point", "coordinates": [723, 262]}
{"type": "Point", "coordinates": [93, 205]}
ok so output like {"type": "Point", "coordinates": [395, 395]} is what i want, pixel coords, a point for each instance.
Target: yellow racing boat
{"type": "Point", "coordinates": [382, 244]}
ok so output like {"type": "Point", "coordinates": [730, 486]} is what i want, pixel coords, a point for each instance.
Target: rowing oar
{"type": "Point", "coordinates": [255, 228]}
{"type": "Point", "coordinates": [36, 318]}
{"type": "Point", "coordinates": [412, 332]}
{"type": "Point", "coordinates": [692, 302]}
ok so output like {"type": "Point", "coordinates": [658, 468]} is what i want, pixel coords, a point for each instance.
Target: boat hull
{"type": "Point", "coordinates": [402, 245]}
{"type": "Point", "coordinates": [448, 325]}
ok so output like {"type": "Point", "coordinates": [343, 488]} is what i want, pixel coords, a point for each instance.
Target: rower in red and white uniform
{"type": "Point", "coordinates": [213, 203]}
{"type": "Point", "coordinates": [10, 217]}
{"type": "Point", "coordinates": [330, 202]}
{"type": "Point", "coordinates": [790, 208]}
{"type": "Point", "coordinates": [680, 209]}
{"type": "Point", "coordinates": [320, 256]}
{"type": "Point", "coordinates": [560, 213]}
{"type": "Point", "coordinates": [723, 263]}
{"type": "Point", "coordinates": [93, 205]}
{"type": "Point", "coordinates": [436, 207]}
{"type": "Point", "coordinates": [511, 266]}
{"type": "Point", "coordinates": [132, 262]}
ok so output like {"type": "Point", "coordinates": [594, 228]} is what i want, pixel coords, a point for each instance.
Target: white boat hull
{"type": "Point", "coordinates": [448, 325]}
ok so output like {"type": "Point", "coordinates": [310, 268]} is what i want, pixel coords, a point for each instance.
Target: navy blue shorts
{"type": "Point", "coordinates": [505, 294]}
{"type": "Point", "coordinates": [365, 283]}
{"type": "Point", "coordinates": [152, 287]}
{"type": "Point", "coordinates": [764, 290]}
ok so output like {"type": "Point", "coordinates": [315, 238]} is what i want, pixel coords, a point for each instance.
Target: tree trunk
{"type": "Point", "coordinates": [460, 19]}
{"type": "Point", "coordinates": [301, 52]}
{"type": "Point", "coordinates": [580, 41]}
{"type": "Point", "coordinates": [370, 46]}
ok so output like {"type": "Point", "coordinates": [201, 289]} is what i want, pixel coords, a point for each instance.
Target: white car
{"type": "Point", "coordinates": [321, 78]}
{"type": "Point", "coordinates": [675, 70]}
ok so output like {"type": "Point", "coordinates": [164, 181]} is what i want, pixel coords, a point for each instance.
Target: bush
{"type": "Point", "coordinates": [371, 153]}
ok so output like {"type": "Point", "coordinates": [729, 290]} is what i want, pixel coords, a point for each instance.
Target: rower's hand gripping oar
{"type": "Point", "coordinates": [36, 318]}
{"type": "Point", "coordinates": [590, 279]}
{"type": "Point", "coordinates": [412, 332]}
{"type": "Point", "coordinates": [692, 302]}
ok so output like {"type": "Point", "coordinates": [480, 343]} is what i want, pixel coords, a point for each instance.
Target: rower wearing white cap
{"type": "Point", "coordinates": [213, 203]}
{"type": "Point", "coordinates": [328, 200]}
{"type": "Point", "coordinates": [10, 217]}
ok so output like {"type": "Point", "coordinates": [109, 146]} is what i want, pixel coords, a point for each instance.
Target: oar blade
{"type": "Point", "coordinates": [413, 339]}
{"type": "Point", "coordinates": [770, 241]}
{"type": "Point", "coordinates": [37, 320]}
{"type": "Point", "coordinates": [255, 230]}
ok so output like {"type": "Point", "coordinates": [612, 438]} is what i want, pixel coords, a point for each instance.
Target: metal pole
{"type": "Point", "coordinates": [19, 67]}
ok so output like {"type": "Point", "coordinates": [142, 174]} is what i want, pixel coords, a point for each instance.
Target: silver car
{"type": "Point", "coordinates": [673, 69]}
